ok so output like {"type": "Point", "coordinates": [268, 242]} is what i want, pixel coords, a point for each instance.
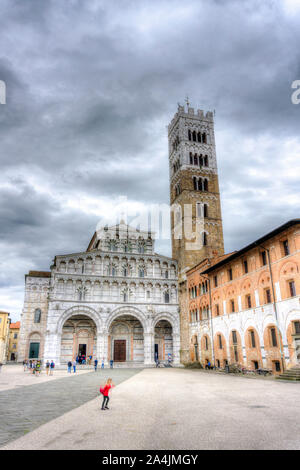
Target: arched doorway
{"type": "Point", "coordinates": [78, 339]}
{"type": "Point", "coordinates": [126, 340]}
{"type": "Point", "coordinates": [163, 341]}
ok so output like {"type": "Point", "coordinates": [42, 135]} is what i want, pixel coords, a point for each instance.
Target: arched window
{"type": "Point", "coordinates": [204, 238]}
{"type": "Point", "coordinates": [205, 210]}
{"type": "Point", "coordinates": [205, 186]}
{"type": "Point", "coordinates": [204, 138]}
{"type": "Point", "coordinates": [167, 297]}
{"type": "Point", "coordinates": [194, 136]}
{"type": "Point", "coordinates": [200, 160]}
{"type": "Point", "coordinates": [206, 160]}
{"type": "Point", "coordinates": [200, 188]}
{"type": "Point", "coordinates": [199, 136]}
{"type": "Point", "coordinates": [141, 272]}
{"type": "Point", "coordinates": [189, 135]}
{"type": "Point", "coordinates": [113, 271]}
{"type": "Point", "coordinates": [195, 182]}
{"type": "Point", "coordinates": [166, 274]}
{"type": "Point", "coordinates": [37, 315]}
{"type": "Point", "coordinates": [195, 159]}
{"type": "Point", "coordinates": [191, 158]}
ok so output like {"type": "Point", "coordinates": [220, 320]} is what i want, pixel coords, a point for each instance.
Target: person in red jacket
{"type": "Point", "coordinates": [105, 392]}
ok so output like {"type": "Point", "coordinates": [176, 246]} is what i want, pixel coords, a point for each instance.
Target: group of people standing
{"type": "Point", "coordinates": [33, 366]}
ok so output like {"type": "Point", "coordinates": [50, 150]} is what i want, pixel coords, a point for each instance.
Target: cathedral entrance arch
{"type": "Point", "coordinates": [126, 340]}
{"type": "Point", "coordinates": [78, 339]}
{"type": "Point", "coordinates": [163, 341]}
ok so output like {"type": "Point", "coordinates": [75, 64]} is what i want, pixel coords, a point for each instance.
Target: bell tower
{"type": "Point", "coordinates": [196, 220]}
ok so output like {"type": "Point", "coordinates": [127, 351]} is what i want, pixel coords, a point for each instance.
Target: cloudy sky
{"type": "Point", "coordinates": [91, 87]}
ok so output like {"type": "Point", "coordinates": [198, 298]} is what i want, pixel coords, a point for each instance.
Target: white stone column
{"type": "Point", "coordinates": [102, 344]}
{"type": "Point", "coordinates": [52, 348]}
{"type": "Point", "coordinates": [176, 349]}
{"type": "Point", "coordinates": [149, 348]}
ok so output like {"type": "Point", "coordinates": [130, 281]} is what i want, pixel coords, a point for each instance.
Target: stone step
{"type": "Point", "coordinates": [290, 374]}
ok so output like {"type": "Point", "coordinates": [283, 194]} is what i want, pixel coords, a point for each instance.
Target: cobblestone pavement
{"type": "Point", "coordinates": [171, 409]}
{"type": "Point", "coordinates": [24, 408]}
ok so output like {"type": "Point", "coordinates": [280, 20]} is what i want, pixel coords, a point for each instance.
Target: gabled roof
{"type": "Point", "coordinates": [15, 325]}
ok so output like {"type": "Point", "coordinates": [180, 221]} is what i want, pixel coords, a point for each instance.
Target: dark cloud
{"type": "Point", "coordinates": [91, 87]}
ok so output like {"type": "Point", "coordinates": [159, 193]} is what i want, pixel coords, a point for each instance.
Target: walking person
{"type": "Point", "coordinates": [25, 364]}
{"type": "Point", "coordinates": [69, 367]}
{"type": "Point", "coordinates": [96, 364]}
{"type": "Point", "coordinates": [47, 367]}
{"type": "Point", "coordinates": [52, 365]}
{"type": "Point", "coordinates": [102, 365]}
{"type": "Point", "coordinates": [105, 392]}
{"type": "Point", "coordinates": [74, 366]}
{"type": "Point", "coordinates": [111, 363]}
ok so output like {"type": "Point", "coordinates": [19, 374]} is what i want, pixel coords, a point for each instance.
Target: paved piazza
{"type": "Point", "coordinates": [149, 409]}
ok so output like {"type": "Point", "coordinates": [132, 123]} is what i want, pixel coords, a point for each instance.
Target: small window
{"type": "Point", "coordinates": [217, 310]}
{"type": "Point", "coordinates": [205, 187]}
{"type": "Point", "coordinates": [167, 297]}
{"type": "Point", "coordinates": [263, 258]}
{"type": "Point", "coordinates": [273, 337]}
{"type": "Point", "coordinates": [204, 239]}
{"type": "Point", "coordinates": [292, 288]}
{"type": "Point", "coordinates": [205, 210]}
{"type": "Point", "coordinates": [252, 339]}
{"type": "Point", "coordinates": [234, 337]}
{"type": "Point", "coordinates": [220, 342]}
{"type": "Point", "coordinates": [268, 296]}
{"type": "Point", "coordinates": [297, 327]}
{"type": "Point", "coordinates": [232, 306]}
{"type": "Point", "coordinates": [206, 343]}
{"type": "Point", "coordinates": [245, 266]}
{"type": "Point", "coordinates": [191, 159]}
{"type": "Point", "coordinates": [37, 315]}
{"type": "Point", "coordinates": [230, 277]}
{"type": "Point", "coordinates": [15, 335]}
{"type": "Point", "coordinates": [248, 301]}
{"type": "Point", "coordinates": [216, 281]}
{"type": "Point", "coordinates": [286, 249]}
{"type": "Point", "coordinates": [218, 363]}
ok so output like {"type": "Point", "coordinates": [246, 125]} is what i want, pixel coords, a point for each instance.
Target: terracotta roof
{"type": "Point", "coordinates": [15, 325]}
{"type": "Point", "coordinates": [39, 274]}
{"type": "Point", "coordinates": [254, 244]}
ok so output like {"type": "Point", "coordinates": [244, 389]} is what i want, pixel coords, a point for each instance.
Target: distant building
{"type": "Point", "coordinates": [244, 307]}
{"type": "Point", "coordinates": [4, 335]}
{"type": "Point", "coordinates": [14, 329]}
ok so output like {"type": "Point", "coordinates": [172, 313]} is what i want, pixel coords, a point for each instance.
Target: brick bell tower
{"type": "Point", "coordinates": [196, 219]}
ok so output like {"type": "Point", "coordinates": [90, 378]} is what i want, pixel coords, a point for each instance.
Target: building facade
{"type": "Point", "coordinates": [14, 330]}
{"type": "Point", "coordinates": [244, 307]}
{"type": "Point", "coordinates": [4, 335]}
{"type": "Point", "coordinates": [196, 220]}
{"type": "Point", "coordinates": [117, 300]}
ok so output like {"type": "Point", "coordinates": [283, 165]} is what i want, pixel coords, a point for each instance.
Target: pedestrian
{"type": "Point", "coordinates": [74, 366]}
{"type": "Point", "coordinates": [69, 367]}
{"type": "Point", "coordinates": [105, 391]}
{"type": "Point", "coordinates": [1, 366]}
{"type": "Point", "coordinates": [52, 365]}
{"type": "Point", "coordinates": [102, 365]}
{"type": "Point", "coordinates": [37, 368]}
{"type": "Point", "coordinates": [47, 367]}
{"type": "Point", "coordinates": [111, 363]}
{"type": "Point", "coordinates": [96, 364]}
{"type": "Point", "coordinates": [25, 364]}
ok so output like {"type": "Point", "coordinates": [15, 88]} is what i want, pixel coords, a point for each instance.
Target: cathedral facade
{"type": "Point", "coordinates": [115, 301]}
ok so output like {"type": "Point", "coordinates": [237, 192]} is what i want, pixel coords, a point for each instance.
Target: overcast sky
{"type": "Point", "coordinates": [91, 87]}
